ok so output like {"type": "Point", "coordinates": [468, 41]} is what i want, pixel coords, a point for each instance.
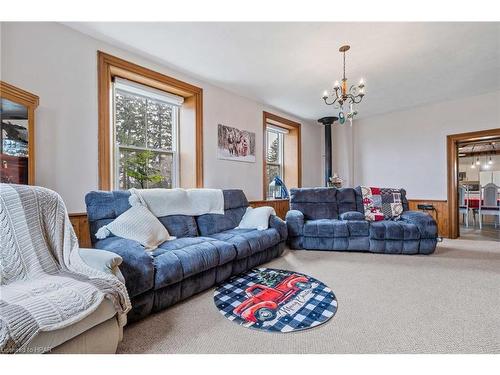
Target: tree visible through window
{"type": "Point", "coordinates": [274, 156]}
{"type": "Point", "coordinates": [145, 139]}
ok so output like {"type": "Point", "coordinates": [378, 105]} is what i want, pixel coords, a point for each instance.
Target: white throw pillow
{"type": "Point", "coordinates": [256, 218]}
{"type": "Point", "coordinates": [138, 224]}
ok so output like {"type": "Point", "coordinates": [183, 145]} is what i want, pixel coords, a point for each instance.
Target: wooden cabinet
{"type": "Point", "coordinates": [17, 135]}
{"type": "Point", "coordinates": [281, 206]}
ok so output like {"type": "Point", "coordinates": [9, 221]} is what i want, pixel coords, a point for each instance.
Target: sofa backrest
{"type": "Point", "coordinates": [235, 205]}
{"type": "Point", "coordinates": [324, 203]}
{"type": "Point", "coordinates": [329, 203]}
{"type": "Point", "coordinates": [105, 206]}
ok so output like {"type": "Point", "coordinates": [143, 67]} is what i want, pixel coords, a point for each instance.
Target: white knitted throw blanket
{"type": "Point", "coordinates": [44, 284]}
{"type": "Point", "coordinates": [191, 202]}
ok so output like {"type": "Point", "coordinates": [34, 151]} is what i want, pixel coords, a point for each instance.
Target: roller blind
{"type": "Point", "coordinates": [277, 129]}
{"type": "Point", "coordinates": [148, 92]}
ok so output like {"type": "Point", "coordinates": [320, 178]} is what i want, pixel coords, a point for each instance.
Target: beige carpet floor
{"type": "Point", "coordinates": [448, 302]}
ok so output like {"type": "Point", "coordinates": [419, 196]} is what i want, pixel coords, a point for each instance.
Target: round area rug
{"type": "Point", "coordinates": [275, 300]}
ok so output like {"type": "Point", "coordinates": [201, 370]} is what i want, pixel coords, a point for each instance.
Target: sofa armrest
{"type": "Point", "coordinates": [102, 260]}
{"type": "Point", "coordinates": [278, 224]}
{"type": "Point", "coordinates": [352, 215]}
{"type": "Point", "coordinates": [425, 223]}
{"type": "Point", "coordinates": [137, 266]}
{"type": "Point", "coordinates": [295, 223]}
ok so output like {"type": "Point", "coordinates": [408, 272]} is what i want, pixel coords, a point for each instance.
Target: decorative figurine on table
{"type": "Point", "coordinates": [335, 181]}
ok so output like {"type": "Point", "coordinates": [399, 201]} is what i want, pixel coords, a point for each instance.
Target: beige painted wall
{"type": "Point", "coordinates": [408, 148]}
{"type": "Point", "coordinates": [60, 65]}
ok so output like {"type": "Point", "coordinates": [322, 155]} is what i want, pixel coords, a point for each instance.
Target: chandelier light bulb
{"type": "Point", "coordinates": [361, 83]}
{"type": "Point", "coordinates": [336, 85]}
{"type": "Point", "coordinates": [490, 161]}
{"type": "Point", "coordinates": [477, 161]}
{"type": "Point", "coordinates": [325, 94]}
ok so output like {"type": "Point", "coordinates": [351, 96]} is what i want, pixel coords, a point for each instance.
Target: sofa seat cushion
{"type": "Point", "coordinates": [179, 259]}
{"type": "Point", "coordinates": [249, 241]}
{"type": "Point", "coordinates": [358, 228]}
{"type": "Point", "coordinates": [394, 230]}
{"type": "Point", "coordinates": [326, 228]}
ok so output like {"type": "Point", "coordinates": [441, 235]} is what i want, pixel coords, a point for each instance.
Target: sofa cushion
{"type": "Point", "coordinates": [184, 257]}
{"type": "Point", "coordinates": [394, 230]}
{"type": "Point", "coordinates": [249, 241]}
{"type": "Point", "coordinates": [315, 203]}
{"type": "Point", "coordinates": [256, 218]}
{"type": "Point", "coordinates": [358, 228]}
{"type": "Point", "coordinates": [346, 200]}
{"type": "Point", "coordinates": [137, 266]}
{"type": "Point", "coordinates": [105, 206]}
{"type": "Point", "coordinates": [180, 225]}
{"type": "Point", "coordinates": [138, 224]}
{"type": "Point", "coordinates": [326, 228]}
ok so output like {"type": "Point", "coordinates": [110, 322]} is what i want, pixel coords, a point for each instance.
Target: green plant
{"type": "Point", "coordinates": [139, 168]}
{"type": "Point", "coordinates": [270, 277]}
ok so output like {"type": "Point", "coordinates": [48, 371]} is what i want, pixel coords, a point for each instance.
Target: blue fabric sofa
{"type": "Point", "coordinates": [208, 250]}
{"type": "Point", "coordinates": [333, 219]}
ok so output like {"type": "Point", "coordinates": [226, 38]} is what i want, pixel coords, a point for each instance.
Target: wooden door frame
{"type": "Point", "coordinates": [452, 163]}
{"type": "Point", "coordinates": [286, 124]}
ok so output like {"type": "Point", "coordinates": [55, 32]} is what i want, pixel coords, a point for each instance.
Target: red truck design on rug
{"type": "Point", "coordinates": [264, 301]}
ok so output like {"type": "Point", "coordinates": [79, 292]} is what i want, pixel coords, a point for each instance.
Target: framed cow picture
{"type": "Point", "coordinates": [235, 144]}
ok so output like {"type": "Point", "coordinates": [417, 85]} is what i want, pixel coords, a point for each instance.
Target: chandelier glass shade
{"type": "Point", "coordinates": [342, 93]}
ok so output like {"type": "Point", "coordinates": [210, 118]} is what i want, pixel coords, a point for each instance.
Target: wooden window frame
{"type": "Point", "coordinates": [292, 126]}
{"type": "Point", "coordinates": [109, 67]}
{"type": "Point", "coordinates": [452, 160]}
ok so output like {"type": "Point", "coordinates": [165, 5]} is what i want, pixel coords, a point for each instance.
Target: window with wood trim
{"type": "Point", "coordinates": [282, 153]}
{"type": "Point", "coordinates": [145, 132]}
{"type": "Point", "coordinates": [274, 155]}
{"type": "Point", "coordinates": [149, 126]}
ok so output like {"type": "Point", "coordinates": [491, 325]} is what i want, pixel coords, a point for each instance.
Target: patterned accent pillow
{"type": "Point", "coordinates": [381, 203]}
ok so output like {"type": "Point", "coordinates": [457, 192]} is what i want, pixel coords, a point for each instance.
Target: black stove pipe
{"type": "Point", "coordinates": [327, 122]}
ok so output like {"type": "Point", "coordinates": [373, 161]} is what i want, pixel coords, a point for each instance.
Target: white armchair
{"type": "Point", "coordinates": [96, 334]}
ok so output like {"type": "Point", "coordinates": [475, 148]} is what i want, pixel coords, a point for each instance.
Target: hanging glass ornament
{"type": "Point", "coordinates": [341, 118]}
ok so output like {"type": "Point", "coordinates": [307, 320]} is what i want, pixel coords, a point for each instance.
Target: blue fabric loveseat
{"type": "Point", "coordinates": [333, 219]}
{"type": "Point", "coordinates": [208, 250]}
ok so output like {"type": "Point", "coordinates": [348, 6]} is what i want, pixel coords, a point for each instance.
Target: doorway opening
{"type": "Point", "coordinates": [474, 185]}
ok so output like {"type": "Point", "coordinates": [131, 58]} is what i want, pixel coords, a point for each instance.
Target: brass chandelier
{"type": "Point", "coordinates": [341, 94]}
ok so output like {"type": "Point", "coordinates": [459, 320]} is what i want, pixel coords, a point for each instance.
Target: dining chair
{"type": "Point", "coordinates": [488, 203]}
{"type": "Point", "coordinates": [463, 205]}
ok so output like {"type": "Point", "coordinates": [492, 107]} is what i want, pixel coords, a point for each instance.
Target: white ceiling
{"type": "Point", "coordinates": [288, 65]}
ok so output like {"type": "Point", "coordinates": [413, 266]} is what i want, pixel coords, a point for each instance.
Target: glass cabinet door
{"type": "Point", "coordinates": [14, 138]}
{"type": "Point", "coordinates": [17, 149]}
